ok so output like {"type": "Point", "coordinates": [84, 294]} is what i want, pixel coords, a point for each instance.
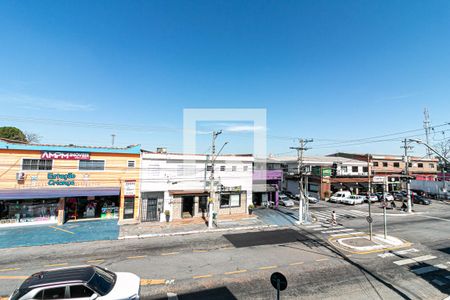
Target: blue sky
{"type": "Point", "coordinates": [329, 70]}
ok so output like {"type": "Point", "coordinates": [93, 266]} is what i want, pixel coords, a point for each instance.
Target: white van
{"type": "Point", "coordinates": [337, 197]}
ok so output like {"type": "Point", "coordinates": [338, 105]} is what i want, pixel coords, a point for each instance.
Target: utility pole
{"type": "Point", "coordinates": [426, 126]}
{"type": "Point", "coordinates": [300, 151]}
{"type": "Point", "coordinates": [406, 147]}
{"type": "Point", "coordinates": [113, 136]}
{"type": "Point", "coordinates": [369, 193]}
{"type": "Point", "coordinates": [211, 179]}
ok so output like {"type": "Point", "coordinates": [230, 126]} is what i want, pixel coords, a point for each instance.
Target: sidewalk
{"type": "Point", "coordinates": [191, 226]}
{"type": "Point", "coordinates": [361, 243]}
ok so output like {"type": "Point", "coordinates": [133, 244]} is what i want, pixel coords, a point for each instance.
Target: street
{"type": "Point", "coordinates": [238, 265]}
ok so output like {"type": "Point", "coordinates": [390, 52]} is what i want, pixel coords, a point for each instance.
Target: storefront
{"type": "Point", "coordinates": [47, 206]}
{"type": "Point", "coordinates": [42, 184]}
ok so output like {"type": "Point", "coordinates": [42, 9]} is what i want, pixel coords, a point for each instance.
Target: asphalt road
{"type": "Point", "coordinates": [238, 265]}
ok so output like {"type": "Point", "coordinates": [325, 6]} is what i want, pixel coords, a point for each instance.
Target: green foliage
{"type": "Point", "coordinates": [12, 133]}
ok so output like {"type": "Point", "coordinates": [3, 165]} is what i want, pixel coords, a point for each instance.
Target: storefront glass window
{"type": "Point", "coordinates": [32, 210]}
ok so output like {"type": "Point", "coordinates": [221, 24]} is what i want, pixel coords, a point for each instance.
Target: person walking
{"type": "Point", "coordinates": [333, 218]}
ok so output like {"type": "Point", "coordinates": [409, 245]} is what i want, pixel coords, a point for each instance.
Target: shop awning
{"type": "Point", "coordinates": [18, 194]}
{"type": "Point", "coordinates": [263, 188]}
{"type": "Point", "coordinates": [352, 185]}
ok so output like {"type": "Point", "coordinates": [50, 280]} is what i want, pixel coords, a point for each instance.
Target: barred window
{"type": "Point", "coordinates": [37, 164]}
{"type": "Point", "coordinates": [91, 165]}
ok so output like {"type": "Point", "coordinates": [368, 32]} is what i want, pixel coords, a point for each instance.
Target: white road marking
{"type": "Point", "coordinates": [313, 226]}
{"type": "Point", "coordinates": [358, 213]}
{"type": "Point", "coordinates": [172, 296]}
{"type": "Point", "coordinates": [338, 230]}
{"type": "Point", "coordinates": [387, 254]}
{"type": "Point", "coordinates": [414, 260]}
{"type": "Point", "coordinates": [328, 227]}
{"type": "Point", "coordinates": [402, 252]}
{"type": "Point", "coordinates": [346, 234]}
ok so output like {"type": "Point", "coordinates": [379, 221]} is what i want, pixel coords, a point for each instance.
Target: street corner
{"type": "Point", "coordinates": [363, 244]}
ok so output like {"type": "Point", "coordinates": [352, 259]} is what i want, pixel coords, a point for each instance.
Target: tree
{"type": "Point", "coordinates": [32, 137]}
{"type": "Point", "coordinates": [12, 133]}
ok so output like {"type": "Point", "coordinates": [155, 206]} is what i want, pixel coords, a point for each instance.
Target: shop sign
{"type": "Point", "coordinates": [326, 172]}
{"type": "Point", "coordinates": [230, 188]}
{"type": "Point", "coordinates": [61, 179]}
{"type": "Point", "coordinates": [65, 155]}
{"type": "Point", "coordinates": [378, 179]}
{"type": "Point", "coordinates": [130, 188]}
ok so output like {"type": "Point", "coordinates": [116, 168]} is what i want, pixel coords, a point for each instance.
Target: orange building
{"type": "Point", "coordinates": [42, 184]}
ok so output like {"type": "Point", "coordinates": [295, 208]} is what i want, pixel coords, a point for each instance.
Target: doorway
{"type": "Point", "coordinates": [187, 207]}
{"type": "Point", "coordinates": [150, 209]}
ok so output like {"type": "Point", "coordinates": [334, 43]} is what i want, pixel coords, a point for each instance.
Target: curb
{"type": "Point", "coordinates": [400, 214]}
{"type": "Point", "coordinates": [150, 235]}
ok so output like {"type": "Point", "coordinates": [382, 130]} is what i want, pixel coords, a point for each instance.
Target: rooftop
{"type": "Point", "coordinates": [75, 274]}
{"type": "Point", "coordinates": [16, 145]}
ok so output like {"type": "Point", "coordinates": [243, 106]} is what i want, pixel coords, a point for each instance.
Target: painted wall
{"type": "Point", "coordinates": [115, 174]}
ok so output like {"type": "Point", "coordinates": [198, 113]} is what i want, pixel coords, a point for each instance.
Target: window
{"type": "Point", "coordinates": [410, 165]}
{"type": "Point", "coordinates": [80, 291]}
{"type": "Point", "coordinates": [222, 168]}
{"type": "Point", "coordinates": [54, 293]}
{"type": "Point", "coordinates": [91, 165]}
{"type": "Point", "coordinates": [420, 165]}
{"type": "Point", "coordinates": [102, 281]}
{"type": "Point", "coordinates": [209, 168]}
{"type": "Point", "coordinates": [431, 166]}
{"type": "Point", "coordinates": [365, 169]}
{"type": "Point", "coordinates": [230, 200]}
{"type": "Point", "coordinates": [396, 165]}
{"type": "Point", "coordinates": [344, 169]}
{"type": "Point", "coordinates": [355, 169]}
{"type": "Point", "coordinates": [385, 164]}
{"type": "Point", "coordinates": [131, 164]}
{"type": "Point", "coordinates": [245, 168]}
{"type": "Point", "coordinates": [37, 164]}
{"type": "Point", "coordinates": [375, 164]}
{"type": "Point", "coordinates": [233, 169]}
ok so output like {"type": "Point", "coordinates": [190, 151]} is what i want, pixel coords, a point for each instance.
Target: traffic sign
{"type": "Point", "coordinates": [369, 219]}
{"type": "Point", "coordinates": [278, 281]}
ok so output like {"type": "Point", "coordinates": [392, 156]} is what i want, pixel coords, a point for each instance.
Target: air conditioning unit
{"type": "Point", "coordinates": [20, 176]}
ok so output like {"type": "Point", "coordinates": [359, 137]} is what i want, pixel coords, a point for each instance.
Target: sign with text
{"type": "Point", "coordinates": [129, 188]}
{"type": "Point", "coordinates": [65, 155]}
{"type": "Point", "coordinates": [67, 179]}
{"type": "Point", "coordinates": [378, 179]}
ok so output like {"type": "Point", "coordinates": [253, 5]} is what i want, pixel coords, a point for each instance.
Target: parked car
{"type": "Point", "coordinates": [353, 200]}
{"type": "Point", "coordinates": [290, 195]}
{"type": "Point", "coordinates": [285, 201]}
{"type": "Point", "coordinates": [384, 196]}
{"type": "Point", "coordinates": [402, 195]}
{"type": "Point", "coordinates": [80, 282]}
{"type": "Point", "coordinates": [371, 197]}
{"type": "Point", "coordinates": [421, 200]}
{"type": "Point", "coordinates": [312, 199]}
{"type": "Point", "coordinates": [338, 196]}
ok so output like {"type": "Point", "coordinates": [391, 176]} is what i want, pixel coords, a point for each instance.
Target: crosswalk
{"type": "Point", "coordinates": [430, 266]}
{"type": "Point", "coordinates": [323, 222]}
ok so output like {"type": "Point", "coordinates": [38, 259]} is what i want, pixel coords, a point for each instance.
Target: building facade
{"type": "Point", "coordinates": [44, 184]}
{"type": "Point", "coordinates": [177, 185]}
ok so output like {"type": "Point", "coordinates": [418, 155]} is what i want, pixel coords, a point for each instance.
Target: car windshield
{"type": "Point", "coordinates": [102, 281]}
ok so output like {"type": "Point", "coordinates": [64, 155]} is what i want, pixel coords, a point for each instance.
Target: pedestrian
{"type": "Point", "coordinates": [393, 204]}
{"type": "Point", "coordinates": [333, 218]}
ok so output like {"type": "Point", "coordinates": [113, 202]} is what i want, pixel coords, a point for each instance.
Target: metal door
{"type": "Point", "coordinates": [150, 209]}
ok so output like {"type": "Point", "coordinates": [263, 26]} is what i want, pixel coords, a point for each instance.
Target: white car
{"type": "Point", "coordinates": [353, 200]}
{"type": "Point", "coordinates": [285, 201]}
{"type": "Point", "coordinates": [337, 197]}
{"type": "Point", "coordinates": [81, 283]}
{"type": "Point", "coordinates": [371, 197]}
